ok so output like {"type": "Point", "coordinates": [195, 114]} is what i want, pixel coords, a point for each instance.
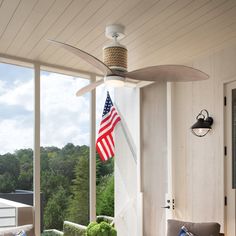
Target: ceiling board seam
{"type": "Point", "coordinates": [201, 25]}
{"type": "Point", "coordinates": [124, 16]}
{"type": "Point", "coordinates": [225, 29]}
{"type": "Point", "coordinates": [94, 27]}
{"type": "Point", "coordinates": [19, 29]}
{"type": "Point", "coordinates": [49, 28]}
{"type": "Point", "coordinates": [62, 50]}
{"type": "Point", "coordinates": [128, 24]}
{"type": "Point", "coordinates": [10, 19]}
{"type": "Point", "coordinates": [139, 27]}
{"type": "Point", "coordinates": [180, 49]}
{"type": "Point", "coordinates": [117, 20]}
{"type": "Point", "coordinates": [64, 27]}
{"type": "Point", "coordinates": [1, 3]}
{"type": "Point", "coordinates": [35, 27]}
{"type": "Point", "coordinates": [215, 48]}
{"type": "Point", "coordinates": [100, 7]}
{"type": "Point", "coordinates": [162, 11]}
{"type": "Point", "coordinates": [141, 15]}
{"type": "Point", "coordinates": [183, 35]}
{"type": "Point", "coordinates": [159, 32]}
{"type": "Point", "coordinates": [68, 62]}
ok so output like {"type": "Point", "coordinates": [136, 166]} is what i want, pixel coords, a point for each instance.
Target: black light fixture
{"type": "Point", "coordinates": [203, 124]}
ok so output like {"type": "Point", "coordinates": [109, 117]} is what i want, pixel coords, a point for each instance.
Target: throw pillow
{"type": "Point", "coordinates": [185, 232]}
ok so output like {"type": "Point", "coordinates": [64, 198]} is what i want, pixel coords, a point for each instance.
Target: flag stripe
{"type": "Point", "coordinates": [108, 122]}
{"type": "Point", "coordinates": [107, 148]}
{"type": "Point", "coordinates": [109, 127]}
{"type": "Point", "coordinates": [105, 143]}
{"type": "Point", "coordinates": [108, 117]}
{"type": "Point", "coordinates": [102, 151]}
{"type": "Point", "coordinates": [111, 145]}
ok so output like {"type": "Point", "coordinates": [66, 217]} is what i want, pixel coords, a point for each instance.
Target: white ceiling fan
{"type": "Point", "coordinates": [114, 67]}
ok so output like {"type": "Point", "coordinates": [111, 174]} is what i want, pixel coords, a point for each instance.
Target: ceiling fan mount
{"type": "Point", "coordinates": [114, 65]}
{"type": "Point", "coordinates": [115, 31]}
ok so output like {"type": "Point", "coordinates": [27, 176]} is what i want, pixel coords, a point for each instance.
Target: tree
{"type": "Point", "coordinates": [9, 172]}
{"type": "Point", "coordinates": [25, 179]}
{"type": "Point", "coordinates": [9, 164]}
{"type": "Point", "coordinates": [103, 168]}
{"type": "Point", "coordinates": [7, 183]}
{"type": "Point", "coordinates": [55, 210]}
{"type": "Point", "coordinates": [78, 210]}
{"type": "Point", "coordinates": [105, 196]}
{"type": "Point", "coordinates": [50, 182]}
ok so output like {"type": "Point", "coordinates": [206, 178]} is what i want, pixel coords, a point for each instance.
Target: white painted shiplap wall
{"type": "Point", "coordinates": [198, 163]}
{"type": "Point", "coordinates": [154, 158]}
{"type": "Point", "coordinates": [153, 161]}
{"type": "Point", "coordinates": [125, 165]}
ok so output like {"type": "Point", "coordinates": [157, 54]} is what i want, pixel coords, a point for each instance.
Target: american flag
{"type": "Point", "coordinates": [105, 143]}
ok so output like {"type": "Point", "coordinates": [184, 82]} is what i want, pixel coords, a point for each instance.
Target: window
{"type": "Point", "coordinates": [105, 170]}
{"type": "Point", "coordinates": [65, 131]}
{"type": "Point", "coordinates": [16, 136]}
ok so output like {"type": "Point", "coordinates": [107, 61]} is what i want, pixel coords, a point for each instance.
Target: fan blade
{"type": "Point", "coordinates": [89, 87]}
{"type": "Point", "coordinates": [85, 56]}
{"type": "Point", "coordinates": [172, 73]}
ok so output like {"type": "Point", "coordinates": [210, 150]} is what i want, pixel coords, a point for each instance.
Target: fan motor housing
{"type": "Point", "coordinates": [115, 56]}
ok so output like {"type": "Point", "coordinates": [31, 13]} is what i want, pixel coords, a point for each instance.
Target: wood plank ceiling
{"type": "Point", "coordinates": [157, 32]}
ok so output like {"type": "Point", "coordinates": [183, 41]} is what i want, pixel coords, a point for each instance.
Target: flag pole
{"type": "Point", "coordinates": [127, 135]}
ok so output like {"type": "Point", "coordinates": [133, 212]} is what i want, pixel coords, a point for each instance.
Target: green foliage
{"type": "Point", "coordinates": [9, 164]}
{"type": "Point", "coordinates": [105, 196]}
{"type": "Point", "coordinates": [9, 172]}
{"type": "Point", "coordinates": [100, 229]}
{"type": "Point", "coordinates": [7, 183]}
{"type": "Point", "coordinates": [71, 229]}
{"type": "Point", "coordinates": [25, 180]}
{"type": "Point", "coordinates": [50, 182]}
{"type": "Point", "coordinates": [79, 203]}
{"type": "Point", "coordinates": [64, 181]}
{"type": "Point", "coordinates": [103, 168]}
{"type": "Point", "coordinates": [55, 210]}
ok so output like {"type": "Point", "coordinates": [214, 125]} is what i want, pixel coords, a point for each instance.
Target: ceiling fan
{"type": "Point", "coordinates": [114, 67]}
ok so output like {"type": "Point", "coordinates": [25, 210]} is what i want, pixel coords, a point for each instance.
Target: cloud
{"type": "Point", "coordinates": [15, 135]}
{"type": "Point", "coordinates": [64, 117]}
{"type": "Point", "coordinates": [21, 94]}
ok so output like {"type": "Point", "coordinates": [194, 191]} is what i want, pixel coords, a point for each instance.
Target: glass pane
{"type": "Point", "coordinates": [105, 170]}
{"type": "Point", "coordinates": [234, 138]}
{"type": "Point", "coordinates": [16, 141]}
{"type": "Point", "coordinates": [65, 124]}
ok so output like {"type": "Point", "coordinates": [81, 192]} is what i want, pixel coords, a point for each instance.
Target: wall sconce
{"type": "Point", "coordinates": [203, 124]}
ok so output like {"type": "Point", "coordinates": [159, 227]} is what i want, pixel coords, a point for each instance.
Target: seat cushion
{"type": "Point", "coordinates": [198, 229]}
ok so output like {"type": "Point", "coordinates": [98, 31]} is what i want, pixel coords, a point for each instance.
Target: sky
{"type": "Point", "coordinates": [64, 117]}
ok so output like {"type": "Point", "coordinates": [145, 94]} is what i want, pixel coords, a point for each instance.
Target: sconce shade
{"type": "Point", "coordinates": [203, 125]}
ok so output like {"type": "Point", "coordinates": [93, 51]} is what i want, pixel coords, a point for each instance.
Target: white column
{"type": "Point", "coordinates": [37, 149]}
{"type": "Point", "coordinates": [92, 162]}
{"type": "Point", "coordinates": [169, 195]}
{"type": "Point", "coordinates": [139, 168]}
